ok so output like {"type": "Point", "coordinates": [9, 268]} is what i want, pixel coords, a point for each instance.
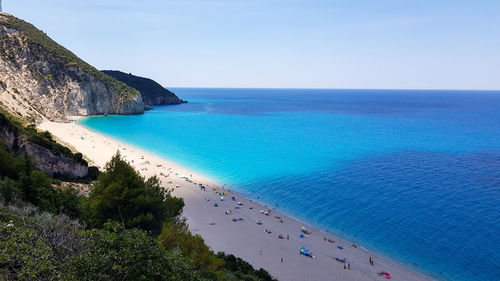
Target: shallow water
{"type": "Point", "coordinates": [414, 175]}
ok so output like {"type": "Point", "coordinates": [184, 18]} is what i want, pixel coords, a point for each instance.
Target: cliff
{"type": "Point", "coordinates": [152, 92]}
{"type": "Point", "coordinates": [48, 155]}
{"type": "Point", "coordinates": [41, 79]}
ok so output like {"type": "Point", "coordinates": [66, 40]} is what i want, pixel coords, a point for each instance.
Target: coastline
{"type": "Point", "coordinates": [245, 239]}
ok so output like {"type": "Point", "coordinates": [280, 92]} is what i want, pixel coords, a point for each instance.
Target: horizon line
{"type": "Point", "coordinates": [302, 88]}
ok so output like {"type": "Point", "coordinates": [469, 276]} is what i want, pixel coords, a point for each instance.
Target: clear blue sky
{"type": "Point", "coordinates": [418, 44]}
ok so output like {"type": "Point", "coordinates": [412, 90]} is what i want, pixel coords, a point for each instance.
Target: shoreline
{"type": "Point", "coordinates": [260, 245]}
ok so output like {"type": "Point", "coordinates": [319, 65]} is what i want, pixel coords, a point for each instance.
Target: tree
{"type": "Point", "coordinates": [122, 195]}
{"type": "Point", "coordinates": [176, 236]}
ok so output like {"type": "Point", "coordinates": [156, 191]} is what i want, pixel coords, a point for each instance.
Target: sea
{"type": "Point", "coordinates": [412, 175]}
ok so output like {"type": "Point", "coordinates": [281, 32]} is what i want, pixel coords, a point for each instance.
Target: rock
{"type": "Point", "coordinates": [55, 165]}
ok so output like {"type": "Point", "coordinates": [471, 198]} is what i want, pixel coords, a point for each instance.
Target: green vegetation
{"type": "Point", "coordinates": [239, 269]}
{"type": "Point", "coordinates": [20, 181]}
{"type": "Point", "coordinates": [39, 38]}
{"type": "Point", "coordinates": [40, 246]}
{"type": "Point", "coordinates": [177, 236]}
{"type": "Point", "coordinates": [113, 253]}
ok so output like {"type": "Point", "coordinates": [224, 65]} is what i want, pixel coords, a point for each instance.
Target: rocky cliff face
{"type": "Point", "coordinates": [21, 140]}
{"type": "Point", "coordinates": [41, 79]}
{"type": "Point", "coordinates": [55, 165]}
{"type": "Point", "coordinates": [152, 92]}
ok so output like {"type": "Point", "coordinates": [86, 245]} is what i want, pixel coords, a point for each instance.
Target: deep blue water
{"type": "Point", "coordinates": [414, 175]}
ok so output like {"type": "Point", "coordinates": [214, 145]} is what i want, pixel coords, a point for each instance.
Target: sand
{"type": "Point", "coordinates": [258, 244]}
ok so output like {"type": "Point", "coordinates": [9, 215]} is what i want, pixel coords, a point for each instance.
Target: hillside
{"type": "Point", "coordinates": [48, 155]}
{"type": "Point", "coordinates": [41, 79]}
{"type": "Point", "coordinates": [152, 92]}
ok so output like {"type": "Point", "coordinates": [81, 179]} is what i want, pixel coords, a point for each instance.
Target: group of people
{"type": "Point", "coordinates": [267, 212]}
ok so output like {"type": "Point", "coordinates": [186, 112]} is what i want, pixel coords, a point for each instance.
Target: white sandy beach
{"type": "Point", "coordinates": [244, 238]}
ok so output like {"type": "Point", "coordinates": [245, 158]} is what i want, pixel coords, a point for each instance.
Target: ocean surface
{"type": "Point", "coordinates": [412, 175]}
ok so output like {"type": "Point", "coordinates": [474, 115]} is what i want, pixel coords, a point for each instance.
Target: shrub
{"type": "Point", "coordinates": [114, 253]}
{"type": "Point", "coordinates": [34, 246]}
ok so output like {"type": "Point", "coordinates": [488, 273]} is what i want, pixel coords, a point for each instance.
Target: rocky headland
{"type": "Point", "coordinates": [152, 92]}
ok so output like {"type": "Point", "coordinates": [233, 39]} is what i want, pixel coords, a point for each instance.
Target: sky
{"type": "Point", "coordinates": [361, 44]}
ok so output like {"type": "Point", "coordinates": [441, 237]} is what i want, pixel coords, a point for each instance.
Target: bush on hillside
{"type": "Point", "coordinates": [36, 245]}
{"type": "Point", "coordinates": [114, 253]}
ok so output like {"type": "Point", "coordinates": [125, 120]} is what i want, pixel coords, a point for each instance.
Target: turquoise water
{"type": "Point", "coordinates": [414, 175]}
